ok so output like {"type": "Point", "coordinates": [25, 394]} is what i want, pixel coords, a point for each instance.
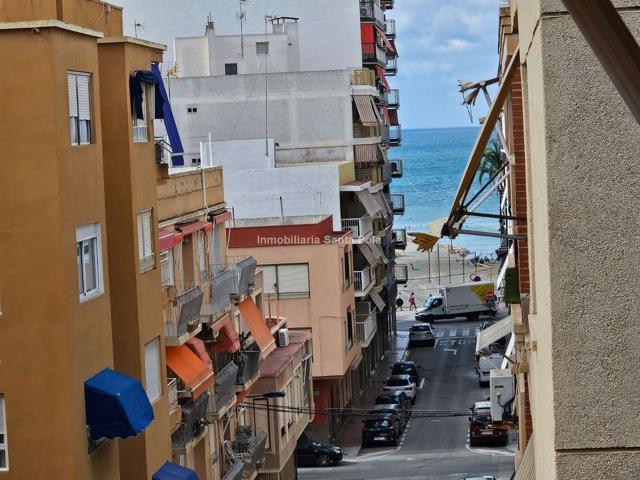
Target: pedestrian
{"type": "Point", "coordinates": [399, 302]}
{"type": "Point", "coordinates": [412, 302]}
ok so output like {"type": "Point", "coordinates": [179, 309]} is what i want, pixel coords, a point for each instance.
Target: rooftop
{"type": "Point", "coordinates": [277, 221]}
{"type": "Point", "coordinates": [277, 361]}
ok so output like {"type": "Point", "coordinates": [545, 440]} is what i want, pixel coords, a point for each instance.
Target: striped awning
{"type": "Point", "coordinates": [370, 204]}
{"type": "Point", "coordinates": [369, 117]}
{"type": "Point", "coordinates": [377, 248]}
{"type": "Point", "coordinates": [368, 153]}
{"type": "Point", "coordinates": [494, 333]}
{"type": "Point", "coordinates": [377, 299]}
{"type": "Point", "coordinates": [527, 467]}
{"type": "Point", "coordinates": [369, 254]}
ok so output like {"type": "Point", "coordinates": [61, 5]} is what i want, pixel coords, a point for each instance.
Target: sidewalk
{"type": "Point", "coordinates": [351, 434]}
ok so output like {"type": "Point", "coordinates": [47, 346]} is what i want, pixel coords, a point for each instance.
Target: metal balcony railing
{"type": "Point", "coordinates": [374, 53]}
{"type": "Point", "coordinates": [384, 135]}
{"type": "Point", "coordinates": [391, 66]}
{"type": "Point", "coordinates": [383, 96]}
{"type": "Point", "coordinates": [193, 425]}
{"type": "Point", "coordinates": [395, 135]}
{"type": "Point", "coordinates": [225, 390]}
{"type": "Point", "coordinates": [184, 315]}
{"type": "Point", "coordinates": [386, 172]}
{"type": "Point", "coordinates": [393, 98]}
{"type": "Point", "coordinates": [366, 327]}
{"type": "Point", "coordinates": [248, 366]}
{"type": "Point", "coordinates": [371, 11]}
{"type": "Point", "coordinates": [396, 167]}
{"type": "Point", "coordinates": [401, 273]}
{"type": "Point", "coordinates": [249, 448]}
{"type": "Point", "coordinates": [362, 279]}
{"type": "Point", "coordinates": [363, 76]}
{"type": "Point", "coordinates": [397, 203]}
{"type": "Point", "coordinates": [390, 29]}
{"type": "Point", "coordinates": [360, 227]}
{"type": "Point", "coordinates": [236, 472]}
{"type": "Point", "coordinates": [363, 131]}
{"type": "Point", "coordinates": [400, 238]}
{"type": "Point", "coordinates": [245, 270]}
{"type": "Point", "coordinates": [172, 393]}
{"type": "Point", "coordinates": [222, 286]}
{"type": "Point", "coordinates": [369, 174]}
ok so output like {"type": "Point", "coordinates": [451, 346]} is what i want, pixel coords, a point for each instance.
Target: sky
{"type": "Point", "coordinates": [441, 42]}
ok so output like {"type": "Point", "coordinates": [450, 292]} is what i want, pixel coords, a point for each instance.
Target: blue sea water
{"type": "Point", "coordinates": [433, 163]}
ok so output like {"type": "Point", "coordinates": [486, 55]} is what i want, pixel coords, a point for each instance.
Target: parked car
{"type": "Point", "coordinates": [484, 477]}
{"type": "Point", "coordinates": [407, 368]}
{"type": "Point", "coordinates": [382, 429]}
{"type": "Point", "coordinates": [392, 409]}
{"type": "Point", "coordinates": [481, 431]}
{"type": "Point", "coordinates": [421, 334]}
{"type": "Point", "coordinates": [315, 454]}
{"type": "Point", "coordinates": [396, 397]}
{"type": "Point", "coordinates": [402, 383]}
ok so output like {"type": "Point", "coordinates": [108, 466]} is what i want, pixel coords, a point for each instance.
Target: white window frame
{"type": "Point", "coordinates": [141, 125]}
{"type": "Point", "coordinates": [167, 277]}
{"type": "Point", "coordinates": [76, 116]}
{"type": "Point", "coordinates": [152, 369]}
{"type": "Point", "coordinates": [146, 254]}
{"type": "Point", "coordinates": [283, 293]}
{"type": "Point", "coordinates": [4, 445]}
{"type": "Point", "coordinates": [262, 44]}
{"type": "Point", "coordinates": [86, 233]}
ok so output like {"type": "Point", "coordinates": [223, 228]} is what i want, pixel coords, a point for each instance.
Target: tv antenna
{"type": "Point", "coordinates": [137, 25]}
{"type": "Point", "coordinates": [241, 16]}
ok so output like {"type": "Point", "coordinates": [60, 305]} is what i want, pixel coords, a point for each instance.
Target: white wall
{"type": "Point", "coordinates": [329, 30]}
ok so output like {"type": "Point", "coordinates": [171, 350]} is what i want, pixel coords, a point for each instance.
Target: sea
{"type": "Point", "coordinates": [433, 162]}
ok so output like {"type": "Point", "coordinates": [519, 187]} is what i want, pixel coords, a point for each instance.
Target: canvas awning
{"type": "Point", "coordinates": [366, 110]}
{"type": "Point", "coordinates": [527, 467]}
{"type": "Point", "coordinates": [368, 153]}
{"type": "Point", "coordinates": [451, 228]}
{"type": "Point", "coordinates": [227, 340]}
{"type": "Point", "coordinates": [377, 248]}
{"type": "Point", "coordinates": [495, 332]}
{"type": "Point", "coordinates": [172, 471]}
{"type": "Point", "coordinates": [195, 374]}
{"type": "Point", "coordinates": [378, 300]}
{"type": "Point", "coordinates": [369, 254]}
{"type": "Point", "coordinates": [370, 204]}
{"type": "Point", "coordinates": [383, 77]}
{"type": "Point", "coordinates": [385, 40]}
{"type": "Point", "coordinates": [258, 326]}
{"type": "Point", "coordinates": [116, 405]}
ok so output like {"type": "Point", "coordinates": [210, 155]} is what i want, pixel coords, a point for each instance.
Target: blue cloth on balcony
{"type": "Point", "coordinates": [171, 471]}
{"type": "Point", "coordinates": [116, 405]}
{"type": "Point", "coordinates": [169, 121]}
{"type": "Point", "coordinates": [136, 79]}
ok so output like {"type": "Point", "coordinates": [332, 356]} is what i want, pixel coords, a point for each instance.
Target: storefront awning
{"type": "Point", "coordinates": [527, 467]}
{"type": "Point", "coordinates": [197, 376]}
{"type": "Point", "coordinates": [171, 471]}
{"type": "Point", "coordinates": [451, 228]}
{"type": "Point", "coordinates": [366, 110]}
{"type": "Point", "coordinates": [116, 405]}
{"type": "Point", "coordinates": [495, 332]}
{"type": "Point", "coordinates": [258, 326]}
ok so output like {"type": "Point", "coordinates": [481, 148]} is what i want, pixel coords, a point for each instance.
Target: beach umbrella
{"type": "Point", "coordinates": [424, 241]}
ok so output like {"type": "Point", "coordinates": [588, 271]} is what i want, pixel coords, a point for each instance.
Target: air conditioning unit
{"type": "Point", "coordinates": [283, 337]}
{"type": "Point", "coordinates": [501, 393]}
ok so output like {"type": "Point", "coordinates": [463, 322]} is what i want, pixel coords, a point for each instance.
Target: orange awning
{"type": "Point", "coordinates": [191, 370]}
{"type": "Point", "coordinates": [227, 340]}
{"type": "Point", "coordinates": [197, 346]}
{"type": "Point", "coordinates": [258, 326]}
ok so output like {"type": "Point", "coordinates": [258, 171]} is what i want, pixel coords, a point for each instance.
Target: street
{"type": "Point", "coordinates": [433, 448]}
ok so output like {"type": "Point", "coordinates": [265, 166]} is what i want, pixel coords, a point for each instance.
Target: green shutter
{"type": "Point", "coordinates": [512, 286]}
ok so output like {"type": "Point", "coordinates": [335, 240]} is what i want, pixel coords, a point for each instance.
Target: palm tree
{"type": "Point", "coordinates": [491, 160]}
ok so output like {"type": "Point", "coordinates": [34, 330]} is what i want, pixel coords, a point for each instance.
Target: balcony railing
{"type": "Point", "coordinates": [362, 280]}
{"type": "Point", "coordinates": [222, 286]}
{"type": "Point", "coordinates": [363, 76]}
{"type": "Point", "coordinates": [388, 4]}
{"type": "Point", "coordinates": [386, 172]}
{"type": "Point", "coordinates": [401, 273]}
{"type": "Point", "coordinates": [245, 270]}
{"type": "Point", "coordinates": [390, 29]}
{"type": "Point", "coordinates": [396, 168]}
{"type": "Point", "coordinates": [236, 472]}
{"type": "Point", "coordinates": [393, 98]}
{"type": "Point", "coordinates": [192, 426]}
{"type": "Point", "coordinates": [384, 135]}
{"type": "Point", "coordinates": [373, 53]}
{"type": "Point", "coordinates": [360, 227]}
{"type": "Point", "coordinates": [400, 238]}
{"type": "Point", "coordinates": [172, 393]}
{"type": "Point", "coordinates": [397, 203]}
{"type": "Point", "coordinates": [369, 174]}
{"type": "Point", "coordinates": [366, 327]}
{"type": "Point", "coordinates": [363, 131]}
{"type": "Point", "coordinates": [184, 315]}
{"type": "Point", "coordinates": [140, 133]}
{"type": "Point", "coordinates": [225, 389]}
{"type": "Point", "coordinates": [371, 11]}
{"type": "Point", "coordinates": [395, 135]}
{"type": "Point", "coordinates": [383, 96]}
{"type": "Point", "coordinates": [391, 66]}
{"type": "Point", "coordinates": [248, 367]}
{"type": "Point", "coordinates": [249, 449]}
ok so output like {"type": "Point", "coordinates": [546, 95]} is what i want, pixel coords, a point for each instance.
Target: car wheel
{"type": "Point", "coordinates": [324, 460]}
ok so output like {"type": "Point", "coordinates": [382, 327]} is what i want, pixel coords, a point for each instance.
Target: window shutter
{"type": "Point", "coordinates": [84, 96]}
{"type": "Point", "coordinates": [2, 421]}
{"type": "Point", "coordinates": [73, 94]}
{"type": "Point", "coordinates": [145, 234]}
{"type": "Point", "coordinates": [153, 376]}
{"type": "Point", "coordinates": [293, 279]}
{"type": "Point", "coordinates": [87, 231]}
{"type": "Point", "coordinates": [269, 278]}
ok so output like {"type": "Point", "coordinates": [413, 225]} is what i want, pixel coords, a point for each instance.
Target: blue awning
{"type": "Point", "coordinates": [169, 121]}
{"type": "Point", "coordinates": [116, 405]}
{"type": "Point", "coordinates": [171, 471]}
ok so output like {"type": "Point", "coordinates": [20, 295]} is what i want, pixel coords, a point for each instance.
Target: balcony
{"type": "Point", "coordinates": [363, 76]}
{"type": "Point", "coordinates": [396, 168]}
{"type": "Point", "coordinates": [371, 11]}
{"type": "Point", "coordinates": [393, 98]}
{"type": "Point", "coordinates": [395, 135]}
{"type": "Point", "coordinates": [363, 281]}
{"type": "Point", "coordinates": [381, 274]}
{"type": "Point", "coordinates": [172, 393]}
{"type": "Point", "coordinates": [359, 227]}
{"type": "Point", "coordinates": [248, 371]}
{"type": "Point", "coordinates": [222, 286]}
{"type": "Point", "coordinates": [366, 324]}
{"type": "Point", "coordinates": [193, 427]}
{"type": "Point", "coordinates": [387, 4]}
{"type": "Point", "coordinates": [140, 134]}
{"type": "Point", "coordinates": [397, 203]}
{"type": "Point", "coordinates": [374, 54]}
{"type": "Point", "coordinates": [387, 171]}
{"type": "Point", "coordinates": [182, 318]}
{"type": "Point", "coordinates": [401, 273]}
{"type": "Point", "coordinates": [249, 449]}
{"type": "Point", "coordinates": [390, 29]}
{"type": "Point", "coordinates": [391, 66]}
{"type": "Point", "coordinates": [363, 131]}
{"type": "Point", "coordinates": [384, 135]}
{"type": "Point", "coordinates": [225, 390]}
{"type": "Point", "coordinates": [369, 174]}
{"type": "Point", "coordinates": [244, 269]}
{"type": "Point", "coordinates": [400, 238]}
{"type": "Point", "coordinates": [383, 96]}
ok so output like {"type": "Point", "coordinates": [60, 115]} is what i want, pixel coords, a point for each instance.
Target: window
{"type": "Point", "coordinates": [349, 330]}
{"type": "Point", "coordinates": [140, 129]}
{"type": "Point", "coordinates": [192, 109]}
{"type": "Point", "coordinates": [346, 268]}
{"type": "Point", "coordinates": [153, 377]}
{"type": "Point", "coordinates": [89, 257]}
{"type": "Point", "coordinates": [145, 240]}
{"type": "Point", "coordinates": [230, 68]}
{"type": "Point", "coordinates": [292, 280]}
{"type": "Point", "coordinates": [166, 268]}
{"type": "Point", "coordinates": [262, 48]}
{"type": "Point", "coordinates": [4, 451]}
{"type": "Point", "coordinates": [79, 87]}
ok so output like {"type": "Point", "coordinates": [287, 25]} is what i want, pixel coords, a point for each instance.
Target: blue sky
{"type": "Point", "coordinates": [441, 42]}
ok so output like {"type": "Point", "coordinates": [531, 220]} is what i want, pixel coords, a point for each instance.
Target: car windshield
{"type": "Point", "coordinates": [397, 382]}
{"type": "Point", "coordinates": [403, 369]}
{"type": "Point", "coordinates": [377, 423]}
{"type": "Point", "coordinates": [420, 328]}
{"type": "Point", "coordinates": [428, 302]}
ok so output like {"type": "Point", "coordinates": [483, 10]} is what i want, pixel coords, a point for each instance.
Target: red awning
{"type": "Point", "coordinates": [221, 218]}
{"type": "Point", "coordinates": [188, 228]}
{"type": "Point", "coordinates": [385, 40]}
{"type": "Point", "coordinates": [387, 118]}
{"type": "Point", "coordinates": [366, 33]}
{"type": "Point", "coordinates": [227, 340]}
{"type": "Point", "coordinates": [383, 77]}
{"type": "Point", "coordinates": [393, 45]}
{"type": "Point", "coordinates": [197, 346]}
{"type": "Point", "coordinates": [258, 326]}
{"type": "Point", "coordinates": [241, 396]}
{"type": "Point", "coordinates": [191, 370]}
{"type": "Point", "coordinates": [168, 239]}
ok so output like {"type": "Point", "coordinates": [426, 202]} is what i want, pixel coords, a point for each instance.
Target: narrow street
{"type": "Point", "coordinates": [432, 448]}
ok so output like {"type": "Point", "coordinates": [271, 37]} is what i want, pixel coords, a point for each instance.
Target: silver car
{"type": "Point", "coordinates": [422, 334]}
{"type": "Point", "coordinates": [402, 383]}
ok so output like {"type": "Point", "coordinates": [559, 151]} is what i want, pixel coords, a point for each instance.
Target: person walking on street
{"type": "Point", "coordinates": [399, 302]}
{"type": "Point", "coordinates": [412, 302]}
